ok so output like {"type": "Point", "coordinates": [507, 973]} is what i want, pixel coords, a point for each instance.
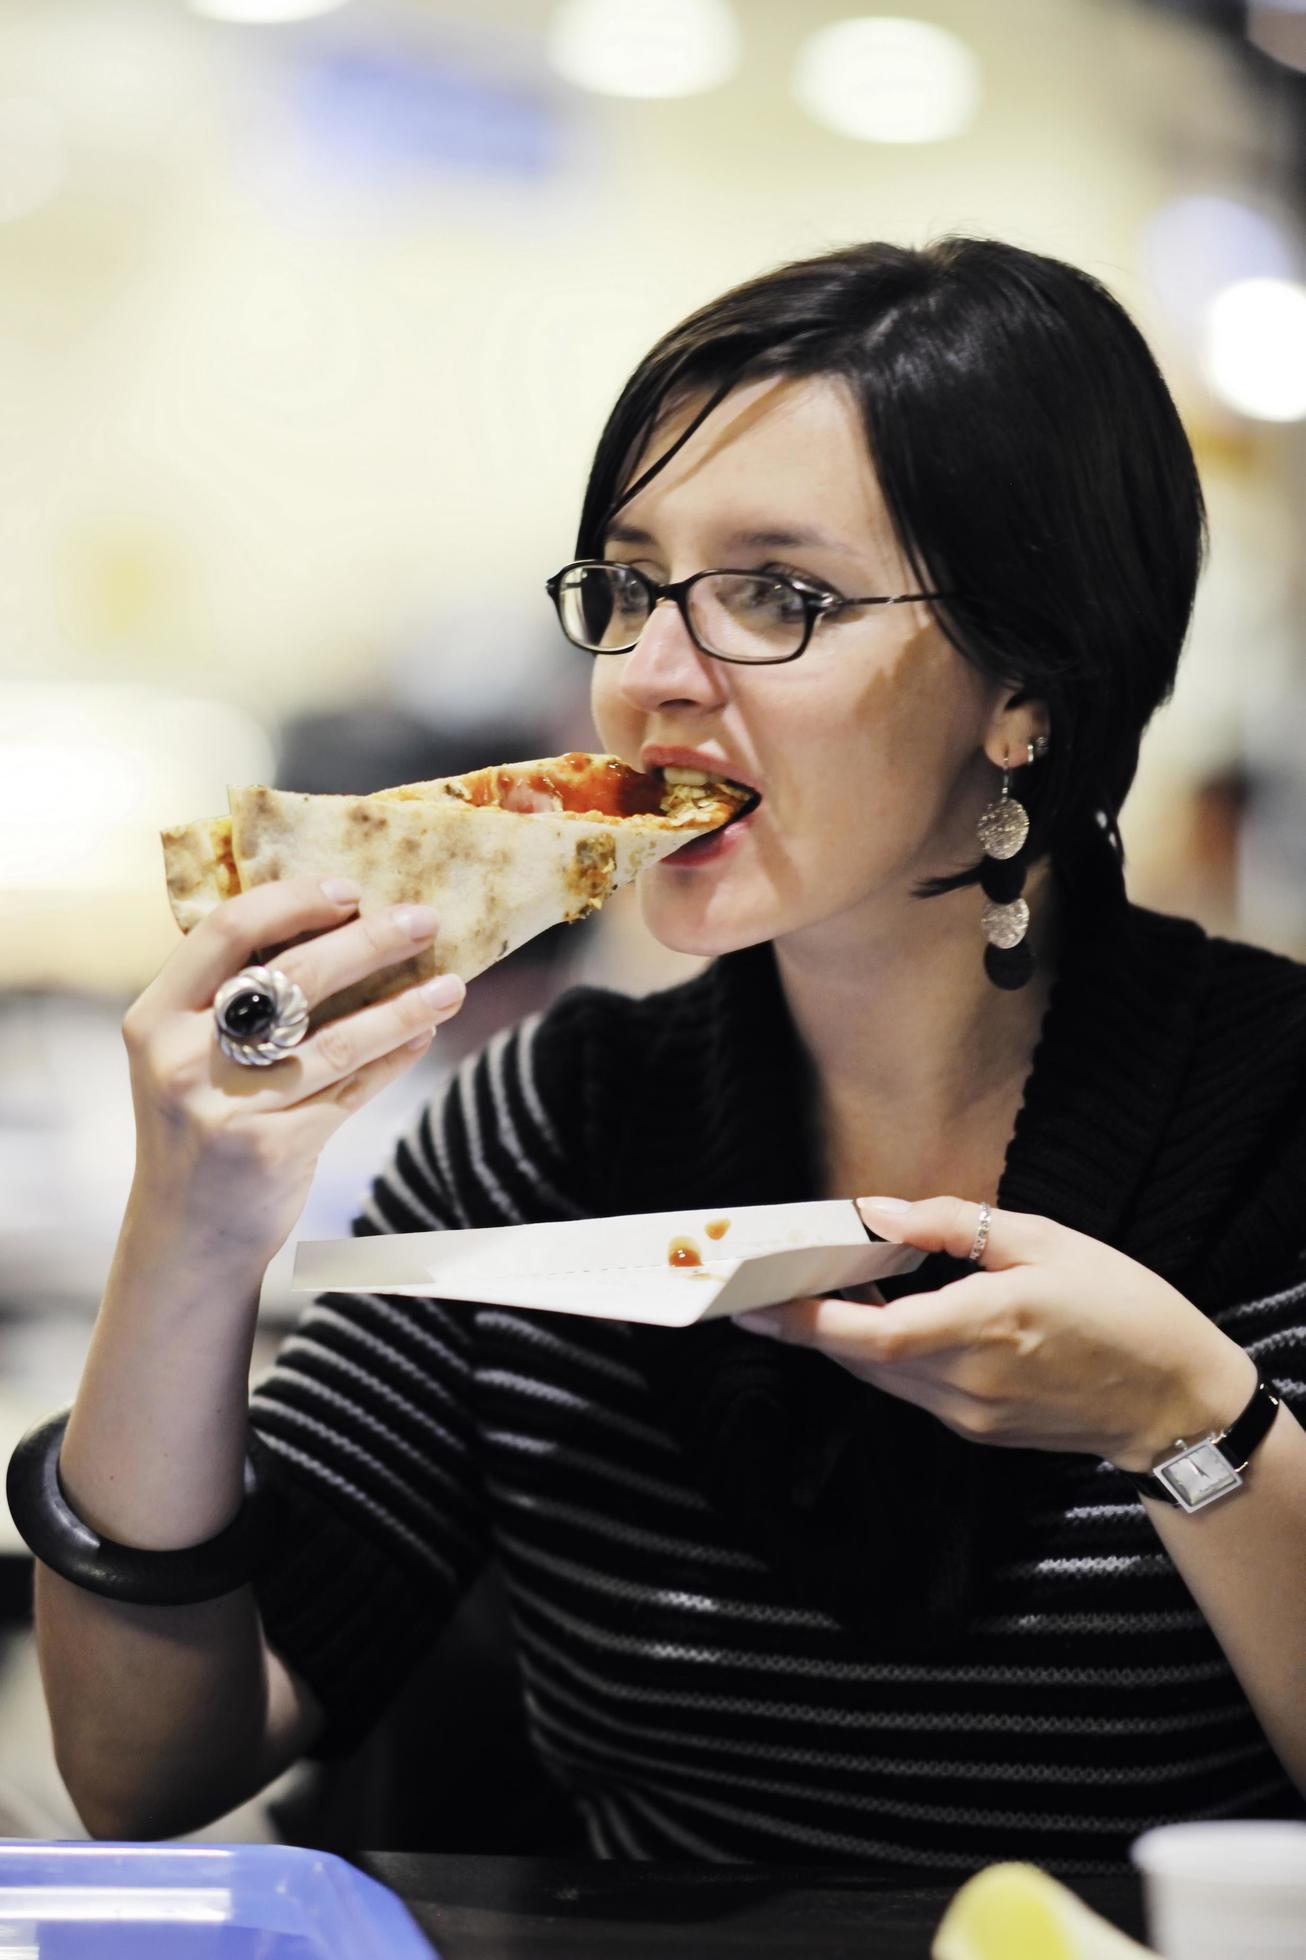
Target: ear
{"type": "Point", "coordinates": [1018, 720]}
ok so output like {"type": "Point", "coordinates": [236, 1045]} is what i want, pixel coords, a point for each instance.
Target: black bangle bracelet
{"type": "Point", "coordinates": [61, 1540]}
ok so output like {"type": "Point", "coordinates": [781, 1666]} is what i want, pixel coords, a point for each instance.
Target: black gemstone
{"type": "Point", "coordinates": [249, 1015]}
{"type": "Point", "coordinates": [1011, 968]}
{"type": "Point", "coordinates": [1003, 879]}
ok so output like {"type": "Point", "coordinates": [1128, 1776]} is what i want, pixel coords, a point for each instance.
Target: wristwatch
{"type": "Point", "coordinates": [1200, 1473]}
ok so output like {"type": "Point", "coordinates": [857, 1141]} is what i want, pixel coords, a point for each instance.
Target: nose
{"type": "Point", "coordinates": [665, 667]}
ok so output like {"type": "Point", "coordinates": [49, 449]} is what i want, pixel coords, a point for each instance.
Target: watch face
{"type": "Point", "coordinates": [1198, 1476]}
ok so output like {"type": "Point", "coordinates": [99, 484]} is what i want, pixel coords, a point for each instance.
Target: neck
{"type": "Point", "coordinates": [909, 1038]}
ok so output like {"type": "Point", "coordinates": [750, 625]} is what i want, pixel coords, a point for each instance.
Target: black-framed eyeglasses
{"type": "Point", "coordinates": [751, 618]}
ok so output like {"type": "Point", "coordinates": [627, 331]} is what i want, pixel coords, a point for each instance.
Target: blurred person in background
{"type": "Point", "coordinates": [1007, 1561]}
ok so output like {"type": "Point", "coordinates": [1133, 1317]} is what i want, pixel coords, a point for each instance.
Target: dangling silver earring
{"type": "Point", "coordinates": [1004, 826]}
{"type": "Point", "coordinates": [1003, 831]}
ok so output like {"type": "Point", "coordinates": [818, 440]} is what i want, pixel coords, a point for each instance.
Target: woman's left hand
{"type": "Point", "coordinates": [1058, 1343]}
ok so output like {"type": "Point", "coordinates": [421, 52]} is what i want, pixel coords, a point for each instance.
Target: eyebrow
{"type": "Point", "coordinates": [793, 534]}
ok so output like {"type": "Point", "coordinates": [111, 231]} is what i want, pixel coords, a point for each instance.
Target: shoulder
{"type": "Point", "coordinates": [1253, 988]}
{"type": "Point", "coordinates": [1251, 1042]}
{"type": "Point", "coordinates": [1233, 1144]}
{"type": "Point", "coordinates": [1246, 999]}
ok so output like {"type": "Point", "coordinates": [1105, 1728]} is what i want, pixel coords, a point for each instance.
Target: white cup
{"type": "Point", "coordinates": [1225, 1891]}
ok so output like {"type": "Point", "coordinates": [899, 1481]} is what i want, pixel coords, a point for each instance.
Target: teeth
{"type": "Point", "coordinates": [696, 779]}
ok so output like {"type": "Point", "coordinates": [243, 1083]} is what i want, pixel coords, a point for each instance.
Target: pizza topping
{"type": "Point", "coordinates": [570, 786]}
{"type": "Point", "coordinates": [684, 806]}
{"type": "Point", "coordinates": [692, 795]}
{"type": "Point", "coordinates": [701, 797]}
{"type": "Point", "coordinates": [527, 797]}
{"type": "Point", "coordinates": [597, 786]}
{"type": "Point", "coordinates": [591, 875]}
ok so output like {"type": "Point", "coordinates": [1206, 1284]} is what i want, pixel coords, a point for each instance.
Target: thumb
{"type": "Point", "coordinates": [954, 1226]}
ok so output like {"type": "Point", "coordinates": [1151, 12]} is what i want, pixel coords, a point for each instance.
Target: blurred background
{"type": "Point", "coordinates": [310, 314]}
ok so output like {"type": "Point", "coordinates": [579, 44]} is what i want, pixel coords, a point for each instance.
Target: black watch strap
{"type": "Point", "coordinates": [1198, 1473]}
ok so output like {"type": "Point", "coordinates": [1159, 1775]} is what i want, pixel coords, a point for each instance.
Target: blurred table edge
{"type": "Point", "coordinates": [503, 1908]}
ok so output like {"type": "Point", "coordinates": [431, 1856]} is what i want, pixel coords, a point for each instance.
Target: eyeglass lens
{"type": "Point", "coordinates": [740, 615]}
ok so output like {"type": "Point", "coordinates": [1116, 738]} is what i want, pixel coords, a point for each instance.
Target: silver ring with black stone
{"type": "Point", "coordinates": [260, 1014]}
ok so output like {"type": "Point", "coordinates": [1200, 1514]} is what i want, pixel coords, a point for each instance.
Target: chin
{"type": "Point", "coordinates": [701, 926]}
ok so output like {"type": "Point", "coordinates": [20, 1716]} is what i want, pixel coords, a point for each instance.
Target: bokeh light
{"type": "Point", "coordinates": [883, 79]}
{"type": "Point", "coordinates": [644, 48]}
{"type": "Point", "coordinates": [1255, 348]}
{"type": "Point", "coordinates": [125, 762]}
{"type": "Point", "coordinates": [265, 13]}
{"type": "Point", "coordinates": [1193, 247]}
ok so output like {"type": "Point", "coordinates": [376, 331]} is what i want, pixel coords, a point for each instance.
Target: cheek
{"type": "Point", "coordinates": [878, 749]}
{"type": "Point", "coordinates": [610, 714]}
{"type": "Point", "coordinates": [918, 709]}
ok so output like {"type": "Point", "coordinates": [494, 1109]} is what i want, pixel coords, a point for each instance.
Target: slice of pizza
{"type": "Point", "coordinates": [501, 853]}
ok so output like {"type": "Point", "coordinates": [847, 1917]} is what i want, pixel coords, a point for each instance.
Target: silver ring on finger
{"type": "Point", "coordinates": [980, 1243]}
{"type": "Point", "coordinates": [260, 1014]}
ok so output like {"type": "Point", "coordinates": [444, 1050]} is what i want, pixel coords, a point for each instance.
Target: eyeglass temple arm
{"type": "Point", "coordinates": [878, 599]}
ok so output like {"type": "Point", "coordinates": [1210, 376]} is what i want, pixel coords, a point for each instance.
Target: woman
{"type": "Point", "coordinates": [847, 1578]}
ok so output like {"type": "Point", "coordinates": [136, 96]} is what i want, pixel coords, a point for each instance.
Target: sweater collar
{"type": "Point", "coordinates": [1109, 1069]}
{"type": "Point", "coordinates": [1111, 1060]}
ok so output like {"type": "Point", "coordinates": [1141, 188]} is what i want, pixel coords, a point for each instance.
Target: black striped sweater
{"type": "Point", "coordinates": [1014, 1669]}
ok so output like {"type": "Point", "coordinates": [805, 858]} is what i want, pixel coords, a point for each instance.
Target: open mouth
{"type": "Point", "coordinates": [689, 781]}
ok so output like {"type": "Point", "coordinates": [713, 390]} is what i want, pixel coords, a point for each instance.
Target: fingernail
{"type": "Point", "coordinates": [422, 1040]}
{"type": "Point", "coordinates": [418, 921]}
{"type": "Point", "coordinates": [884, 1204]}
{"type": "Point", "coordinates": [341, 891]}
{"type": "Point", "coordinates": [759, 1320]}
{"type": "Point", "coordinates": [446, 990]}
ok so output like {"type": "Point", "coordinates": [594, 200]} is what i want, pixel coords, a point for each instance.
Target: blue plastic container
{"type": "Point", "coordinates": [200, 1902]}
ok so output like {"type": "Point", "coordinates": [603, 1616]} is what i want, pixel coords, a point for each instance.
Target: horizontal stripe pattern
{"type": "Point", "coordinates": [690, 1705]}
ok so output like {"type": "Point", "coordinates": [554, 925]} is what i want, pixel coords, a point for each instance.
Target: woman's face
{"type": "Point", "coordinates": [868, 750]}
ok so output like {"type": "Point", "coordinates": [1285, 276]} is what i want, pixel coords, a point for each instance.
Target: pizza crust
{"type": "Point", "coordinates": [200, 868]}
{"type": "Point", "coordinates": [497, 876]}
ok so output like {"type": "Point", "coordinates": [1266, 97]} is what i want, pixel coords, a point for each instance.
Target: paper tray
{"type": "Point", "coordinates": [620, 1268]}
{"type": "Point", "coordinates": [202, 1902]}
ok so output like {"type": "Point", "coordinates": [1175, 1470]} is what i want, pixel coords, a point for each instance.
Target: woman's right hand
{"type": "Point", "coordinates": [225, 1153]}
